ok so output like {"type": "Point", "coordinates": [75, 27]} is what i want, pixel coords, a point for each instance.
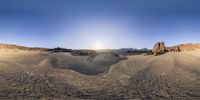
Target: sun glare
{"type": "Point", "coordinates": [98, 45]}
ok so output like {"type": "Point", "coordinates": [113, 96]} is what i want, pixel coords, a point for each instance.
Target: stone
{"type": "Point", "coordinates": [159, 47]}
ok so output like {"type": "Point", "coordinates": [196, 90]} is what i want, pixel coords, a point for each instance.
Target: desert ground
{"type": "Point", "coordinates": [44, 75]}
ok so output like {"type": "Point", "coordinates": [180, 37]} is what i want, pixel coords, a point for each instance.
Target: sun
{"type": "Point", "coordinates": [98, 45]}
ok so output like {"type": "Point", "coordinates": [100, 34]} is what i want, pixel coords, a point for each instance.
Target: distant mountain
{"type": "Point", "coordinates": [144, 49]}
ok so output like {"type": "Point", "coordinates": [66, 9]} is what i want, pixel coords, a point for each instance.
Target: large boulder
{"type": "Point", "coordinates": [159, 48]}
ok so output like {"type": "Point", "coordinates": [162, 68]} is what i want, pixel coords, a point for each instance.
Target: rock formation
{"type": "Point", "coordinates": [174, 49]}
{"type": "Point", "coordinates": [159, 48]}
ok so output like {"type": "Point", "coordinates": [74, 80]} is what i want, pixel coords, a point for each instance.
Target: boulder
{"type": "Point", "coordinates": [159, 47]}
{"type": "Point", "coordinates": [148, 53]}
{"type": "Point", "coordinates": [174, 49]}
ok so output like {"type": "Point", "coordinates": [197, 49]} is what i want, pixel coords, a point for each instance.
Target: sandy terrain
{"type": "Point", "coordinates": [39, 75]}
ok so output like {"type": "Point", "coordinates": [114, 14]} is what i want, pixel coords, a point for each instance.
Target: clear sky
{"type": "Point", "coordinates": [105, 23]}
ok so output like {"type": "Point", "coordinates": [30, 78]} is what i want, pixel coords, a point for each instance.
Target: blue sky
{"type": "Point", "coordinates": [113, 23]}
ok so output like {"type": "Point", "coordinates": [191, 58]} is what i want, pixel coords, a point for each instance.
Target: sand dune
{"type": "Point", "coordinates": [37, 75]}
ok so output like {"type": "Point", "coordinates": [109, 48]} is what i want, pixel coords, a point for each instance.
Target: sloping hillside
{"type": "Point", "coordinates": [188, 47]}
{"type": "Point", "coordinates": [11, 46]}
{"type": "Point", "coordinates": [30, 75]}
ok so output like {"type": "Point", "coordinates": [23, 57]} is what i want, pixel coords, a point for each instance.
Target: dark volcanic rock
{"type": "Point", "coordinates": [58, 49]}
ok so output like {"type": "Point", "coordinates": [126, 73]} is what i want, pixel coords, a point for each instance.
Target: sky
{"type": "Point", "coordinates": [90, 24]}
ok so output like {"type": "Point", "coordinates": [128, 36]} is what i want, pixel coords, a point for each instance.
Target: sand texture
{"type": "Point", "coordinates": [44, 75]}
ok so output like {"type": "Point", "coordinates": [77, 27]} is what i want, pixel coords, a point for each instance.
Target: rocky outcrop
{"type": "Point", "coordinates": [174, 49]}
{"type": "Point", "coordinates": [184, 47]}
{"type": "Point", "coordinates": [148, 53]}
{"type": "Point", "coordinates": [189, 47]}
{"type": "Point", "coordinates": [58, 49]}
{"type": "Point", "coordinates": [159, 48]}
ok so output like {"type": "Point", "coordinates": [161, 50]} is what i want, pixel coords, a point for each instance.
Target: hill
{"type": "Point", "coordinates": [11, 46]}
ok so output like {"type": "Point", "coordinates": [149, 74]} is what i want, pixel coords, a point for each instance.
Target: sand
{"type": "Point", "coordinates": [39, 75]}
